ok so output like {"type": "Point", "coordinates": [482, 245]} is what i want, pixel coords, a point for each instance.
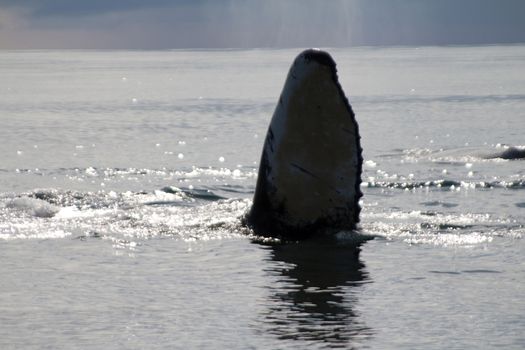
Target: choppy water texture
{"type": "Point", "coordinates": [124, 175]}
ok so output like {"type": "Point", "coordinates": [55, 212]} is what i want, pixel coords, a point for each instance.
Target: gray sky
{"type": "Point", "coordinates": [165, 24]}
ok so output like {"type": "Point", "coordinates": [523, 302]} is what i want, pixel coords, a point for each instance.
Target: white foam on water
{"type": "Point", "coordinates": [438, 229]}
{"type": "Point", "coordinates": [72, 212]}
{"type": "Point", "coordinates": [449, 239]}
{"type": "Point", "coordinates": [122, 217]}
{"type": "Point", "coordinates": [33, 206]}
{"type": "Point", "coordinates": [370, 164]}
{"type": "Point", "coordinates": [132, 217]}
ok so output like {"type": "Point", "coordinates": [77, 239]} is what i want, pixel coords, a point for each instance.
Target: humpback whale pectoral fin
{"type": "Point", "coordinates": [310, 170]}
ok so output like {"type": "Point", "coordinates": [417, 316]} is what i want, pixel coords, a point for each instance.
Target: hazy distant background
{"type": "Point", "coordinates": [165, 24]}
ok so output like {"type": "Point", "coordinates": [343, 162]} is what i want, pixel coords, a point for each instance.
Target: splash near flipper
{"type": "Point", "coordinates": [310, 170]}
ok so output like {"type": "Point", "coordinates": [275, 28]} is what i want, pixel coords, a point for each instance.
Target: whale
{"type": "Point", "coordinates": [499, 152]}
{"type": "Point", "coordinates": [310, 168]}
{"type": "Point", "coordinates": [508, 153]}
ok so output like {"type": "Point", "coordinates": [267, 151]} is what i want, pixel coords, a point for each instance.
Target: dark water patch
{"type": "Point", "coordinates": [224, 107]}
{"type": "Point", "coordinates": [62, 198]}
{"type": "Point", "coordinates": [167, 203]}
{"type": "Point", "coordinates": [91, 234]}
{"type": "Point", "coordinates": [24, 171]}
{"type": "Point", "coordinates": [395, 153]}
{"type": "Point", "coordinates": [481, 271]}
{"type": "Point", "coordinates": [126, 200]}
{"type": "Point", "coordinates": [475, 271]}
{"type": "Point", "coordinates": [446, 183]}
{"type": "Point", "coordinates": [406, 99]}
{"type": "Point", "coordinates": [50, 196]}
{"type": "Point", "coordinates": [518, 184]}
{"type": "Point", "coordinates": [413, 185]}
{"type": "Point", "coordinates": [439, 204]}
{"type": "Point", "coordinates": [449, 162]}
{"type": "Point", "coordinates": [220, 106]}
{"type": "Point", "coordinates": [520, 205]}
{"type": "Point", "coordinates": [197, 193]}
{"type": "Point", "coordinates": [236, 189]}
{"type": "Point", "coordinates": [80, 200]}
{"type": "Point", "coordinates": [444, 227]}
{"type": "Point", "coordinates": [445, 272]}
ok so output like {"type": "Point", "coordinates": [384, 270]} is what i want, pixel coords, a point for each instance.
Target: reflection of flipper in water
{"type": "Point", "coordinates": [310, 169]}
{"type": "Point", "coordinates": [313, 296]}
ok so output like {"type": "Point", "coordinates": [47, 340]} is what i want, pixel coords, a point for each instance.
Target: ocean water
{"type": "Point", "coordinates": [123, 176]}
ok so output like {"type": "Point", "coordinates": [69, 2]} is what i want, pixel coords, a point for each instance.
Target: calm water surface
{"type": "Point", "coordinates": [123, 175]}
